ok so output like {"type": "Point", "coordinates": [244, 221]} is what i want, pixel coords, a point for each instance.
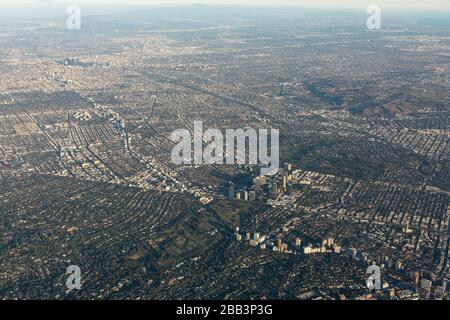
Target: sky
{"type": "Point", "coordinates": [401, 4]}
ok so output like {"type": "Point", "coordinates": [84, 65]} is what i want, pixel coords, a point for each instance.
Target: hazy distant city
{"type": "Point", "coordinates": [358, 207]}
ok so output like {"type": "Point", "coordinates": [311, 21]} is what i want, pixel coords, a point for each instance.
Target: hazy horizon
{"type": "Point", "coordinates": [355, 4]}
{"type": "Point", "coordinates": [57, 8]}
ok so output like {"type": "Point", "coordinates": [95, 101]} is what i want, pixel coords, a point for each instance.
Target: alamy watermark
{"type": "Point", "coordinates": [374, 20]}
{"type": "Point", "coordinates": [374, 281]}
{"type": "Point", "coordinates": [74, 20]}
{"type": "Point", "coordinates": [74, 280]}
{"type": "Point", "coordinates": [210, 147]}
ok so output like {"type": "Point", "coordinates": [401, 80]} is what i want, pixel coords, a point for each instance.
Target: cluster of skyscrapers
{"type": "Point", "coordinates": [265, 187]}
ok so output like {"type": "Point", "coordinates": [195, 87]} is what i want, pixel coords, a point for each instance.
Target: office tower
{"type": "Point", "coordinates": [275, 189]}
{"type": "Point", "coordinates": [58, 152]}
{"type": "Point", "coordinates": [238, 237]}
{"type": "Point", "coordinates": [415, 276]}
{"type": "Point", "coordinates": [284, 183]}
{"type": "Point", "coordinates": [257, 182]}
{"type": "Point", "coordinates": [245, 195]}
{"type": "Point", "coordinates": [440, 291]}
{"type": "Point", "coordinates": [238, 196]}
{"type": "Point", "coordinates": [247, 236]}
{"type": "Point", "coordinates": [280, 244]}
{"type": "Point", "coordinates": [426, 284]}
{"type": "Point", "coordinates": [231, 193]}
{"type": "Point", "coordinates": [298, 242]}
{"type": "Point", "coordinates": [252, 196]}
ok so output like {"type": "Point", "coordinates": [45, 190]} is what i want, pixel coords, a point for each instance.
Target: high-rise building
{"type": "Point", "coordinates": [440, 291]}
{"type": "Point", "coordinates": [426, 284]}
{"type": "Point", "coordinates": [238, 196]}
{"type": "Point", "coordinates": [415, 276]}
{"type": "Point", "coordinates": [230, 192]}
{"type": "Point", "coordinates": [58, 152]}
{"type": "Point", "coordinates": [245, 195]}
{"type": "Point", "coordinates": [252, 196]}
{"type": "Point", "coordinates": [274, 191]}
{"type": "Point", "coordinates": [257, 182]}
